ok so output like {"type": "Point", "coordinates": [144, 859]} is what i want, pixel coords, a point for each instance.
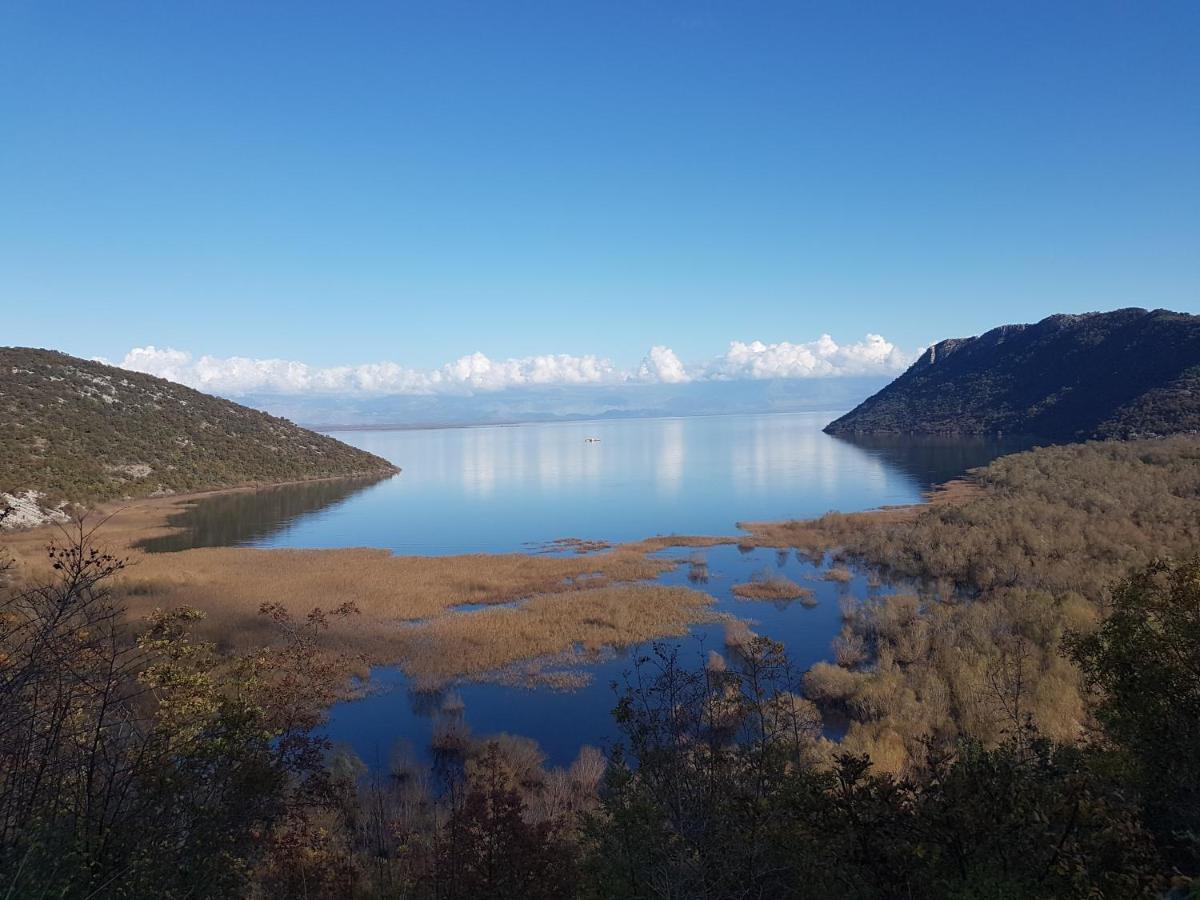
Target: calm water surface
{"type": "Point", "coordinates": [500, 489]}
{"type": "Point", "coordinates": [503, 488]}
{"type": "Point", "coordinates": [395, 719]}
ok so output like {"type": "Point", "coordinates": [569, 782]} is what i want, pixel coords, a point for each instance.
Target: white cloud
{"type": "Point", "coordinates": [821, 358]}
{"type": "Point", "coordinates": [662, 366]}
{"type": "Point", "coordinates": [480, 373]}
{"type": "Point", "coordinates": [477, 373]}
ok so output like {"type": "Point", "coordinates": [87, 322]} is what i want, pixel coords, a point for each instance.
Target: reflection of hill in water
{"type": "Point", "coordinates": [932, 459]}
{"type": "Point", "coordinates": [227, 520]}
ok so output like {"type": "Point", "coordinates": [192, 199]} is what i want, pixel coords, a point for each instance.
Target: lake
{"type": "Point", "coordinates": [512, 488]}
{"type": "Point", "coordinates": [505, 488]}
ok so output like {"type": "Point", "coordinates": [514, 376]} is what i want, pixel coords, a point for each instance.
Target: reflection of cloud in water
{"type": "Point", "coordinates": [669, 471]}
{"type": "Point", "coordinates": [499, 488]}
{"type": "Point", "coordinates": [549, 460]}
{"type": "Point", "coordinates": [508, 458]}
{"type": "Point", "coordinates": [479, 454]}
{"type": "Point", "coordinates": [778, 456]}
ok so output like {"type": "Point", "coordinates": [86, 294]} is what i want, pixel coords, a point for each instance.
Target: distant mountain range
{"type": "Point", "coordinates": [566, 403]}
{"type": "Point", "coordinates": [76, 430]}
{"type": "Point", "coordinates": [1123, 374]}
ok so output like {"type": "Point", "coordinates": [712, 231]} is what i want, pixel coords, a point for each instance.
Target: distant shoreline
{"type": "Point", "coordinates": [328, 429]}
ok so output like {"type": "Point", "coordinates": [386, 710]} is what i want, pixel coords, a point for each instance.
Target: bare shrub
{"type": "Point", "coordinates": [738, 635]}
{"type": "Point", "coordinates": [520, 755]}
{"type": "Point", "coordinates": [793, 718]}
{"type": "Point", "coordinates": [450, 735]}
{"type": "Point", "coordinates": [588, 769]}
{"type": "Point", "coordinates": [849, 649]}
{"type": "Point", "coordinates": [832, 685]}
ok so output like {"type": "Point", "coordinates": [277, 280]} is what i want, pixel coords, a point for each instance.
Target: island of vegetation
{"type": "Point", "coordinates": [1128, 373]}
{"type": "Point", "coordinates": [766, 586]}
{"type": "Point", "coordinates": [75, 430]}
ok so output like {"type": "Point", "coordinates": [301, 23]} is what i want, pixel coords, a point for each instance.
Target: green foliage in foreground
{"type": "Point", "coordinates": [1144, 663]}
{"type": "Point", "coordinates": [136, 762]}
{"type": "Point", "coordinates": [81, 431]}
{"type": "Point", "coordinates": [697, 814]}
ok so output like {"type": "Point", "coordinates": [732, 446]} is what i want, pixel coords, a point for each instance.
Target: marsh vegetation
{"type": "Point", "coordinates": [1020, 688]}
{"type": "Point", "coordinates": [135, 755]}
{"type": "Point", "coordinates": [769, 586]}
{"type": "Point", "coordinates": [996, 584]}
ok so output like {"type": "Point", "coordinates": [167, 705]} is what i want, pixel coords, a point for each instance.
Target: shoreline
{"type": "Point", "coordinates": [150, 516]}
{"type": "Point", "coordinates": [406, 604]}
{"type": "Point", "coordinates": [107, 511]}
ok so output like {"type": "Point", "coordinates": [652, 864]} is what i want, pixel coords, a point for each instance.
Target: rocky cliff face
{"type": "Point", "coordinates": [1126, 373]}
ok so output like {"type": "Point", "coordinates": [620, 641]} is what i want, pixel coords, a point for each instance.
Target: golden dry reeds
{"type": "Point", "coordinates": [582, 622]}
{"type": "Point", "coordinates": [405, 603]}
{"type": "Point", "coordinates": [770, 587]}
{"type": "Point", "coordinates": [839, 574]}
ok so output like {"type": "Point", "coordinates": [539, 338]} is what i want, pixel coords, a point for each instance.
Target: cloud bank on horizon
{"type": "Point", "coordinates": [476, 373]}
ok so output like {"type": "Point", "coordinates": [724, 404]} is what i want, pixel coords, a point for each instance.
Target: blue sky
{"type": "Point", "coordinates": [341, 183]}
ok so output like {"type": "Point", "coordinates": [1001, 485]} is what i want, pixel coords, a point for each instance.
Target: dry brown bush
{"type": "Point", "coordinates": [832, 685]}
{"type": "Point", "coordinates": [738, 635]}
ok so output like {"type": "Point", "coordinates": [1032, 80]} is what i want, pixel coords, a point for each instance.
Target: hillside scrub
{"type": "Point", "coordinates": [714, 794]}
{"type": "Point", "coordinates": [77, 430]}
{"type": "Point", "coordinates": [723, 787]}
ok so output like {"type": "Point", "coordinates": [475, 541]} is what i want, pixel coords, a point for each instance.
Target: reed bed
{"type": "Point", "coordinates": [839, 574]}
{"type": "Point", "coordinates": [580, 623]}
{"type": "Point", "coordinates": [382, 586]}
{"type": "Point", "coordinates": [832, 529]}
{"type": "Point", "coordinates": [667, 541]}
{"type": "Point", "coordinates": [770, 587]}
{"type": "Point", "coordinates": [738, 635]}
{"type": "Point", "coordinates": [573, 605]}
{"type": "Point", "coordinates": [394, 595]}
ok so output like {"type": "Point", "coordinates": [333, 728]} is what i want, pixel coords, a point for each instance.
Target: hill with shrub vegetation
{"type": "Point", "coordinates": [76, 430]}
{"type": "Point", "coordinates": [1123, 374]}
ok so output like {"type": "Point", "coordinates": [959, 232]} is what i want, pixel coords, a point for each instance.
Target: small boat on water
{"type": "Point", "coordinates": [591, 440]}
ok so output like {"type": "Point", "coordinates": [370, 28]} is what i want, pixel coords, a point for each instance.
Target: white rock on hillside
{"type": "Point", "coordinates": [27, 511]}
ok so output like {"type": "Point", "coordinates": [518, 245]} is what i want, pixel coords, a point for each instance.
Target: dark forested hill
{"type": "Point", "coordinates": [1127, 373]}
{"type": "Point", "coordinates": [77, 430]}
